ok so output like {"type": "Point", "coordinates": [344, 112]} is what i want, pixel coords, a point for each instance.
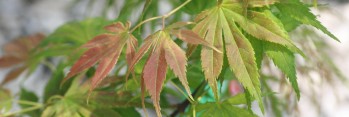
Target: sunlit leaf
{"type": "Point", "coordinates": [210, 29]}
{"type": "Point", "coordinates": [218, 24]}
{"type": "Point", "coordinates": [273, 32]}
{"type": "Point", "coordinates": [241, 58]}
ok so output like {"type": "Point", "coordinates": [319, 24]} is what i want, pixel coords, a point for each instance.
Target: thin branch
{"type": "Point", "coordinates": [28, 103]}
{"type": "Point", "coordinates": [145, 21]}
{"type": "Point", "coordinates": [176, 9]}
{"type": "Point", "coordinates": [158, 17]}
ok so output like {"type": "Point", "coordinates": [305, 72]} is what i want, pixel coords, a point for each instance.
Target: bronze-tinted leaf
{"type": "Point", "coordinates": [8, 61]}
{"type": "Point", "coordinates": [116, 27]}
{"type": "Point", "coordinates": [87, 60]}
{"type": "Point", "coordinates": [143, 96]}
{"type": "Point", "coordinates": [154, 74]}
{"type": "Point", "coordinates": [138, 56]}
{"type": "Point", "coordinates": [192, 38]}
{"type": "Point", "coordinates": [131, 49]}
{"type": "Point", "coordinates": [178, 25]}
{"type": "Point", "coordinates": [105, 66]}
{"type": "Point", "coordinates": [98, 41]}
{"type": "Point", "coordinates": [22, 46]}
{"type": "Point", "coordinates": [163, 51]}
{"type": "Point", "coordinates": [13, 74]}
{"type": "Point", "coordinates": [16, 53]}
{"type": "Point", "coordinates": [177, 61]}
{"type": "Point", "coordinates": [105, 49]}
{"type": "Point", "coordinates": [154, 71]}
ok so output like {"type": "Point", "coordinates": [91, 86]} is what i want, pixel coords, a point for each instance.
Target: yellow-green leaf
{"type": "Point", "coordinates": [212, 61]}
{"type": "Point", "coordinates": [241, 57]}
{"type": "Point", "coordinates": [262, 26]}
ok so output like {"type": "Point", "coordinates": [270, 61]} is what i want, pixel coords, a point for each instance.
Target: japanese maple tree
{"type": "Point", "coordinates": [111, 67]}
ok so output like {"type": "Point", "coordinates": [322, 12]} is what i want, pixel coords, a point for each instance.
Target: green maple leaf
{"type": "Point", "coordinates": [283, 58]}
{"type": "Point", "coordinates": [223, 27]}
{"type": "Point", "coordinates": [285, 61]}
{"type": "Point", "coordinates": [300, 12]}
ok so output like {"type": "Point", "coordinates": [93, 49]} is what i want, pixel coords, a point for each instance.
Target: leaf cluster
{"type": "Point", "coordinates": [226, 40]}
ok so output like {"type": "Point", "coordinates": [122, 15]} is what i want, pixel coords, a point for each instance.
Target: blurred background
{"type": "Point", "coordinates": [325, 92]}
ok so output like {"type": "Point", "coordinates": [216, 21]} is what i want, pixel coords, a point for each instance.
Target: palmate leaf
{"type": "Point", "coordinates": [212, 61]}
{"type": "Point", "coordinates": [285, 61]}
{"type": "Point", "coordinates": [300, 12]}
{"type": "Point", "coordinates": [17, 53]}
{"type": "Point", "coordinates": [105, 49]}
{"type": "Point", "coordinates": [73, 103]}
{"type": "Point", "coordinates": [164, 52]}
{"type": "Point", "coordinates": [241, 58]}
{"type": "Point", "coordinates": [221, 27]}
{"type": "Point", "coordinates": [75, 33]}
{"type": "Point", "coordinates": [66, 38]}
{"type": "Point", "coordinates": [18, 50]}
{"type": "Point", "coordinates": [255, 25]}
{"type": "Point", "coordinates": [283, 58]}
